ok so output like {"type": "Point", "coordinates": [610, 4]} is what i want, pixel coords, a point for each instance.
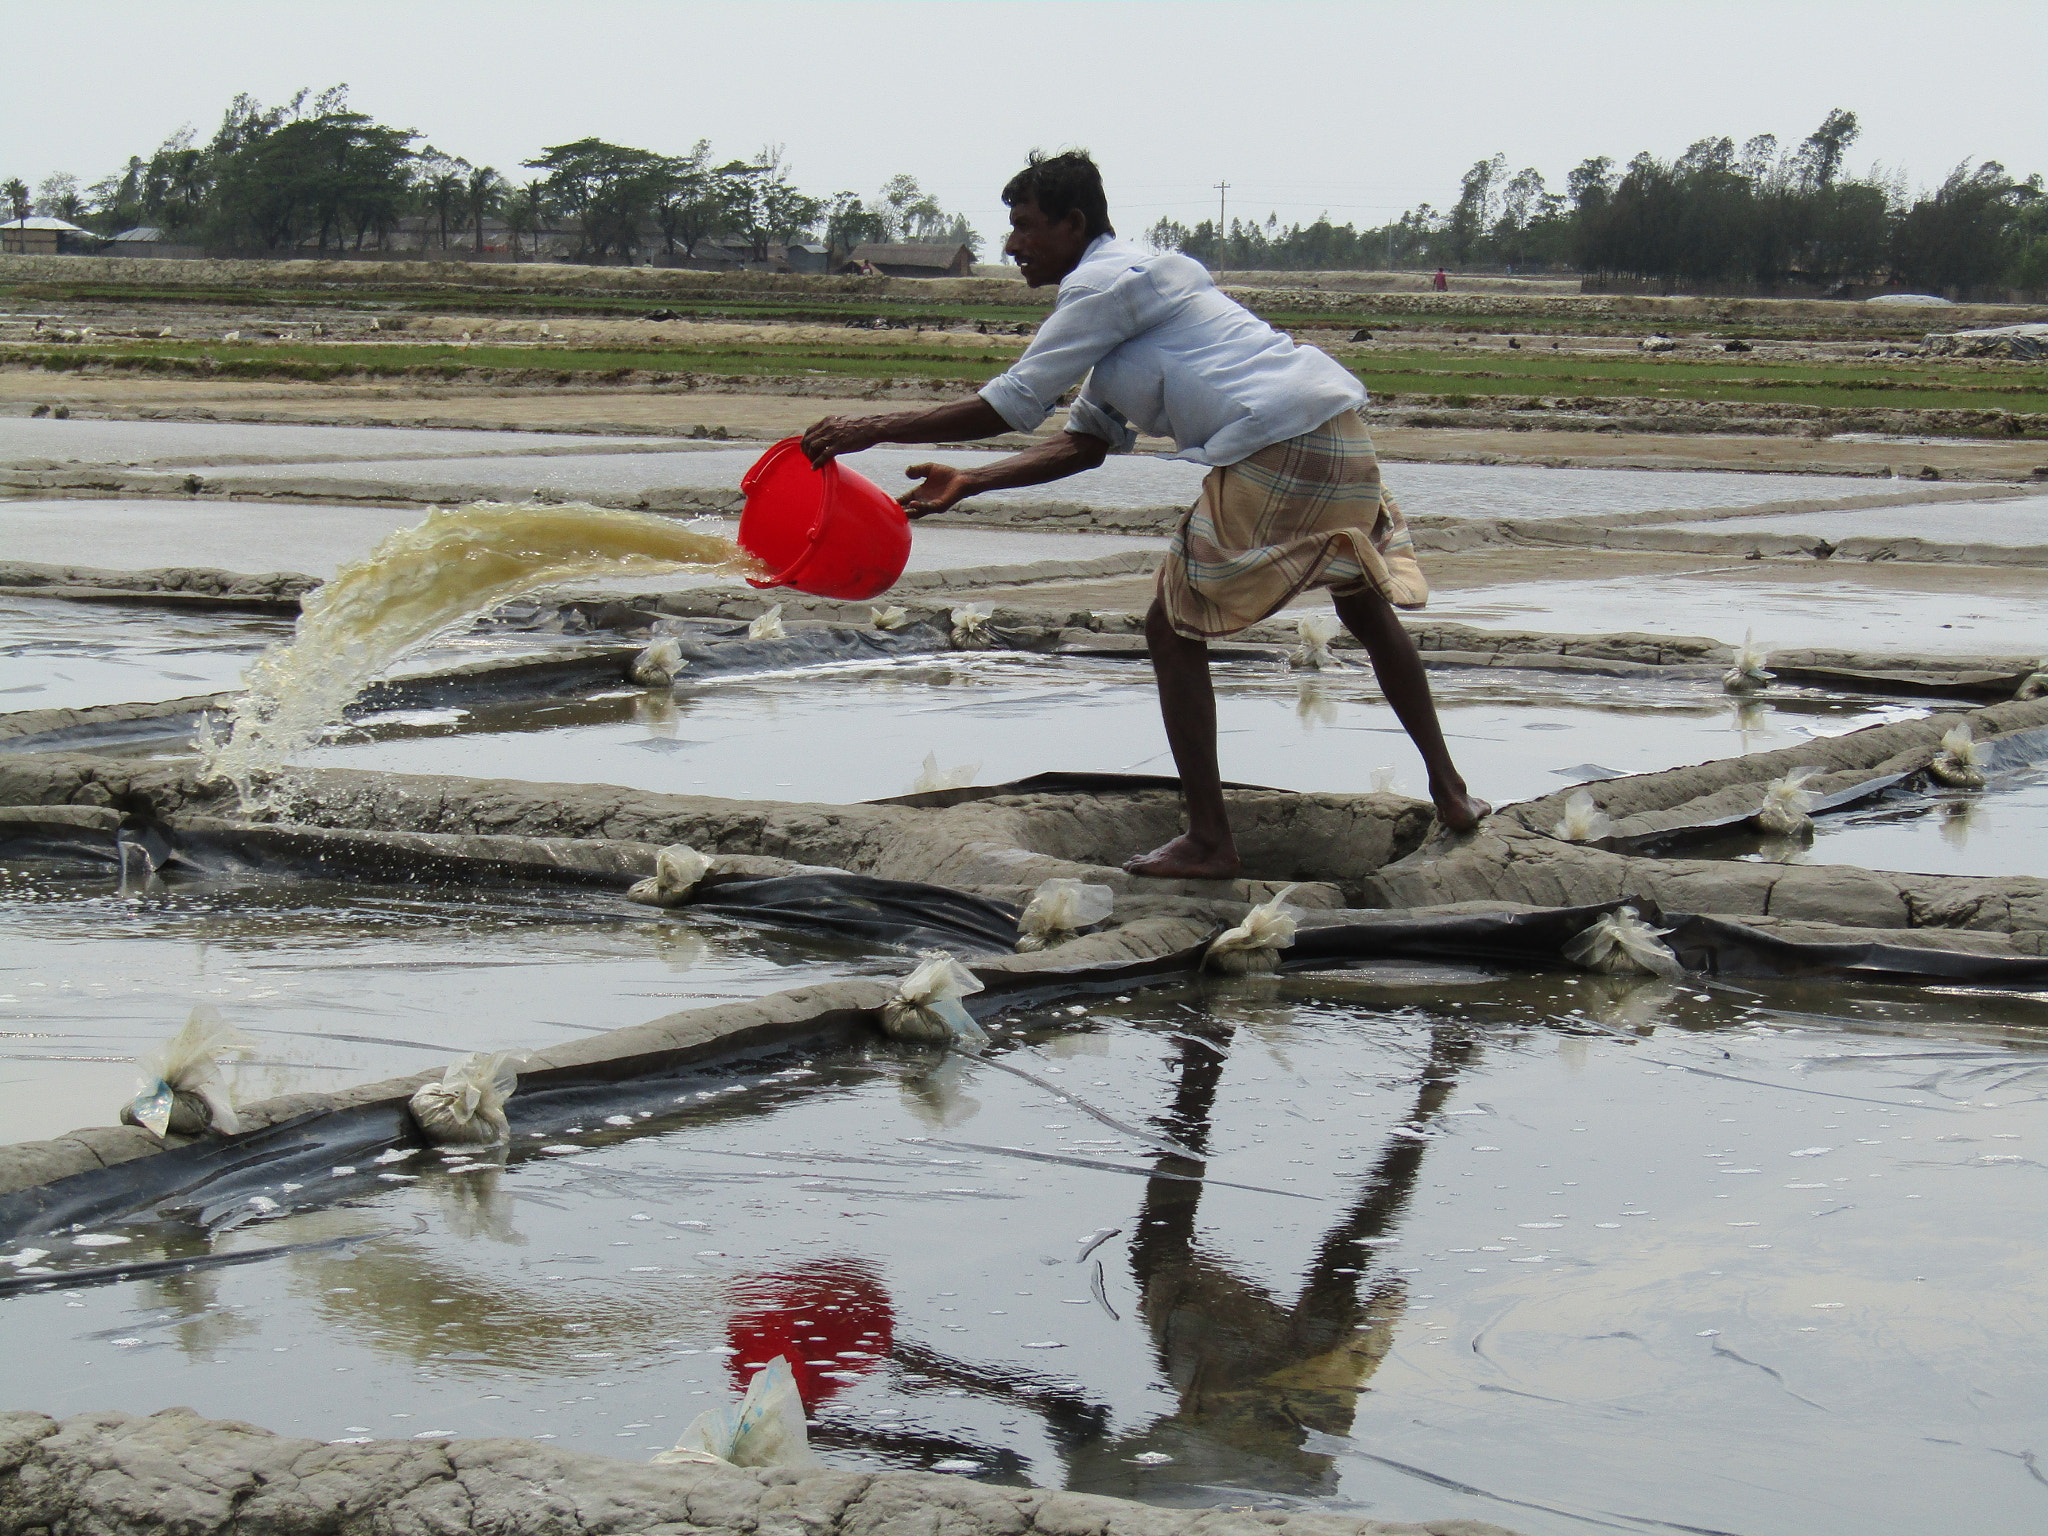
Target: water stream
{"type": "Point", "coordinates": [458, 563]}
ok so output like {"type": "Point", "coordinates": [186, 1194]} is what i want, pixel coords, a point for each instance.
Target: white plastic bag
{"type": "Point", "coordinates": [766, 1429]}
{"type": "Point", "coordinates": [657, 666]}
{"type": "Point", "coordinates": [467, 1107]}
{"type": "Point", "coordinates": [182, 1092]}
{"type": "Point", "coordinates": [1787, 804]}
{"type": "Point", "coordinates": [970, 627]}
{"type": "Point", "coordinates": [1383, 782]}
{"type": "Point", "coordinates": [1583, 821]}
{"type": "Point", "coordinates": [1254, 945]}
{"type": "Point", "coordinates": [1622, 944]}
{"type": "Point", "coordinates": [1960, 761]}
{"type": "Point", "coordinates": [677, 870]}
{"type": "Point", "coordinates": [768, 626]}
{"type": "Point", "coordinates": [933, 777]}
{"type": "Point", "coordinates": [927, 1006]}
{"type": "Point", "coordinates": [1317, 630]}
{"type": "Point", "coordinates": [1059, 909]}
{"type": "Point", "coordinates": [890, 617]}
{"type": "Point", "coordinates": [1747, 674]}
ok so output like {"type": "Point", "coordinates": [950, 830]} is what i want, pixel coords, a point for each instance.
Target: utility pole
{"type": "Point", "coordinates": [1222, 194]}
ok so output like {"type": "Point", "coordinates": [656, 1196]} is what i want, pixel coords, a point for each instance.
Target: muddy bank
{"type": "Point", "coordinates": [116, 1473]}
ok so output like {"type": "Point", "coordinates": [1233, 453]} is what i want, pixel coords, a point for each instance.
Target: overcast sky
{"type": "Point", "coordinates": [1359, 109]}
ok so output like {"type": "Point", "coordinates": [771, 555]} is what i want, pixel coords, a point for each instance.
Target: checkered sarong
{"type": "Point", "coordinates": [1307, 512]}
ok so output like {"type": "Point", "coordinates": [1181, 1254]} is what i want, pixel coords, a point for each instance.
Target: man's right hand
{"type": "Point", "coordinates": [834, 435]}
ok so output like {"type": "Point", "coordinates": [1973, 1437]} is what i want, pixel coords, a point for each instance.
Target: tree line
{"type": "Point", "coordinates": [1760, 216]}
{"type": "Point", "coordinates": [313, 173]}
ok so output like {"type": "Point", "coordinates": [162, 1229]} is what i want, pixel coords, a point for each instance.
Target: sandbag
{"type": "Point", "coordinates": [891, 617]}
{"type": "Point", "coordinates": [1583, 821]}
{"type": "Point", "coordinates": [1622, 944]}
{"type": "Point", "coordinates": [1059, 909]}
{"type": "Point", "coordinates": [1747, 674]}
{"type": "Point", "coordinates": [182, 1092]}
{"type": "Point", "coordinates": [970, 627]}
{"type": "Point", "coordinates": [766, 1429]}
{"type": "Point", "coordinates": [657, 666]}
{"type": "Point", "coordinates": [1253, 946]}
{"type": "Point", "coordinates": [1788, 805]}
{"type": "Point", "coordinates": [467, 1107]}
{"type": "Point", "coordinates": [678, 869]}
{"type": "Point", "coordinates": [768, 626]}
{"type": "Point", "coordinates": [1317, 630]}
{"type": "Point", "coordinates": [927, 1007]}
{"type": "Point", "coordinates": [1960, 761]}
{"type": "Point", "coordinates": [933, 777]}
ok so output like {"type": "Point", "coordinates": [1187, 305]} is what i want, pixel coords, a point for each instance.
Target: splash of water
{"type": "Point", "coordinates": [421, 581]}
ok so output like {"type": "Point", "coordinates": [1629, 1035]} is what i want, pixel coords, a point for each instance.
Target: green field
{"type": "Point", "coordinates": [885, 356]}
{"type": "Point", "coordinates": [1915, 387]}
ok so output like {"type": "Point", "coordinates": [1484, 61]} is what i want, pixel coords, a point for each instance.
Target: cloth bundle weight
{"type": "Point", "coordinates": [927, 1008]}
{"type": "Point", "coordinates": [183, 1092]}
{"type": "Point", "coordinates": [1622, 944]}
{"type": "Point", "coordinates": [1059, 909]}
{"type": "Point", "coordinates": [467, 1107]}
{"type": "Point", "coordinates": [1253, 946]}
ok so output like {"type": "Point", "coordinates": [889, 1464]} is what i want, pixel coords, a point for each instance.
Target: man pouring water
{"type": "Point", "coordinates": [1293, 499]}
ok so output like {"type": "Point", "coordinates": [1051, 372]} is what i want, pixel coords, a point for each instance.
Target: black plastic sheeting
{"type": "Point", "coordinates": [207, 1185]}
{"type": "Point", "coordinates": [864, 908]}
{"type": "Point", "coordinates": [1705, 946]}
{"type": "Point", "coordinates": [2010, 753]}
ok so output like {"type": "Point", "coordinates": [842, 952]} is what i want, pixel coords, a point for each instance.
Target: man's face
{"type": "Point", "coordinates": [1045, 250]}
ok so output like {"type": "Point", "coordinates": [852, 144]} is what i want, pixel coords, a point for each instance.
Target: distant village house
{"type": "Point", "coordinates": [911, 260]}
{"type": "Point", "coordinates": [44, 237]}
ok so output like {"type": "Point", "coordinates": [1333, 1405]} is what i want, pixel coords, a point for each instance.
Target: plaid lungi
{"type": "Point", "coordinates": [1307, 512]}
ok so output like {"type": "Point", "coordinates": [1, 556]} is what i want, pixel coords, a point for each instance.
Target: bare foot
{"type": "Point", "coordinates": [1458, 810]}
{"type": "Point", "coordinates": [1186, 859]}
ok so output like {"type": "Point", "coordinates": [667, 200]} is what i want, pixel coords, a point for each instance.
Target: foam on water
{"type": "Point", "coordinates": [418, 582]}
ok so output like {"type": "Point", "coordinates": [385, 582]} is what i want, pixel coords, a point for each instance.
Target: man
{"type": "Point", "coordinates": [1293, 499]}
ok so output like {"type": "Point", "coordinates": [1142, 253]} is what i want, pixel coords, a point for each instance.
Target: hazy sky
{"type": "Point", "coordinates": [1358, 109]}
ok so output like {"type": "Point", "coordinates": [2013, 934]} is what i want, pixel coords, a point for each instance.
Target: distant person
{"type": "Point", "coordinates": [1440, 282]}
{"type": "Point", "coordinates": [1293, 499]}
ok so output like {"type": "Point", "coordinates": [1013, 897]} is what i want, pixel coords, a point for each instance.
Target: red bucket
{"type": "Point", "coordinates": [829, 532]}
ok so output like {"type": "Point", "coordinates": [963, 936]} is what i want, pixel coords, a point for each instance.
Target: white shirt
{"type": "Point", "coordinates": [1167, 354]}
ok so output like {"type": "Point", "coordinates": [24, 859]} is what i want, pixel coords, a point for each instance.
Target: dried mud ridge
{"type": "Point", "coordinates": [116, 1474]}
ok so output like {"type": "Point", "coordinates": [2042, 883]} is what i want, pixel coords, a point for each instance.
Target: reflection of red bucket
{"type": "Point", "coordinates": [830, 532]}
{"type": "Point", "coordinates": [832, 1317]}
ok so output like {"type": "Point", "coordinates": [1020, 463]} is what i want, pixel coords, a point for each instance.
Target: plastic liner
{"type": "Point", "coordinates": [1714, 946]}
{"type": "Point", "coordinates": [867, 908]}
{"type": "Point", "coordinates": [158, 1269]}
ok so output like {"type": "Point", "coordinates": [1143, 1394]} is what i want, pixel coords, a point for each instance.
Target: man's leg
{"type": "Point", "coordinates": [1187, 700]}
{"type": "Point", "coordinates": [1369, 616]}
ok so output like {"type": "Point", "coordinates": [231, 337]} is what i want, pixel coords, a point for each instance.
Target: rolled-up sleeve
{"type": "Point", "coordinates": [1081, 330]}
{"type": "Point", "coordinates": [1098, 418]}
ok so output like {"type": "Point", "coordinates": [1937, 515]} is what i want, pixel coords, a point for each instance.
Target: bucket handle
{"type": "Point", "coordinates": [828, 503]}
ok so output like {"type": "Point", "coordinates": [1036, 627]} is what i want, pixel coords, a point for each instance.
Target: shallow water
{"type": "Point", "coordinates": [2019, 523]}
{"type": "Point", "coordinates": [340, 983]}
{"type": "Point", "coordinates": [1560, 1253]}
{"type": "Point", "coordinates": [1515, 735]}
{"type": "Point", "coordinates": [56, 654]}
{"type": "Point", "coordinates": [199, 442]}
{"type": "Point", "coordinates": [1136, 480]}
{"type": "Point", "coordinates": [1889, 610]}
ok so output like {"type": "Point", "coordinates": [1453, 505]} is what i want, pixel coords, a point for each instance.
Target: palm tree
{"type": "Point", "coordinates": [526, 210]}
{"type": "Point", "coordinates": [16, 193]}
{"type": "Point", "coordinates": [483, 192]}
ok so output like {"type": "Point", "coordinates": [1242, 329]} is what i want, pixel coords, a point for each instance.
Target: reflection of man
{"type": "Point", "coordinates": [1293, 500]}
{"type": "Point", "coordinates": [1252, 1373]}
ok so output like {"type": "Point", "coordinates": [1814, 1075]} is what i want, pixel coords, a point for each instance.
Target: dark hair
{"type": "Point", "coordinates": [1058, 184]}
